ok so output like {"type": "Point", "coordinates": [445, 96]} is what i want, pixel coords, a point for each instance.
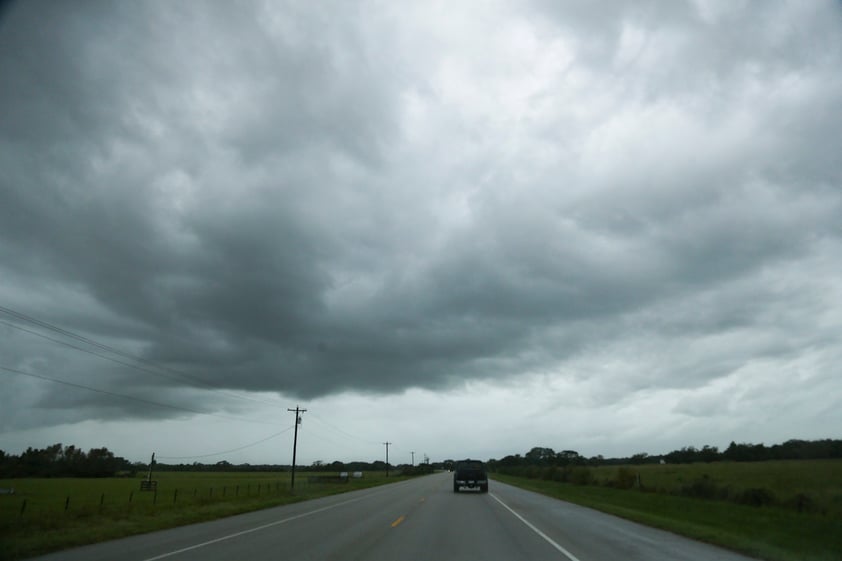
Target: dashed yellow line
{"type": "Point", "coordinates": [400, 519]}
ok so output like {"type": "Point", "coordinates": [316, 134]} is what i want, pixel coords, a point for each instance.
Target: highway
{"type": "Point", "coordinates": [420, 519]}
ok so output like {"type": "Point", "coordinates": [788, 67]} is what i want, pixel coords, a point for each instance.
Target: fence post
{"type": "Point", "coordinates": [174, 496]}
{"type": "Point", "coordinates": [101, 501]}
{"type": "Point", "coordinates": [67, 503]}
{"type": "Point", "coordinates": [23, 507]}
{"type": "Point", "coordinates": [131, 495]}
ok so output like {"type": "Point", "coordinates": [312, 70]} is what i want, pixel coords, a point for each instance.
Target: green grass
{"type": "Point", "coordinates": [109, 508]}
{"type": "Point", "coordinates": [820, 480]}
{"type": "Point", "coordinates": [772, 533]}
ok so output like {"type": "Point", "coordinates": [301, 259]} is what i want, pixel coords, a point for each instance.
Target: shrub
{"type": "Point", "coordinates": [703, 488]}
{"type": "Point", "coordinates": [581, 475]}
{"type": "Point", "coordinates": [802, 502]}
{"type": "Point", "coordinates": [552, 473]}
{"type": "Point", "coordinates": [756, 497]}
{"type": "Point", "coordinates": [626, 478]}
{"type": "Point", "coordinates": [532, 472]}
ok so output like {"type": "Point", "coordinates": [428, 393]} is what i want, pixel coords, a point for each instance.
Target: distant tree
{"type": "Point", "coordinates": [806, 450]}
{"type": "Point", "coordinates": [510, 461]}
{"type": "Point", "coordinates": [59, 461]}
{"type": "Point", "coordinates": [745, 452]}
{"type": "Point", "coordinates": [101, 463]}
{"type": "Point", "coordinates": [691, 454]}
{"type": "Point", "coordinates": [639, 458]}
{"type": "Point", "coordinates": [569, 457]}
{"type": "Point", "coordinates": [539, 455]}
{"type": "Point", "coordinates": [709, 454]}
{"type": "Point", "coordinates": [74, 461]}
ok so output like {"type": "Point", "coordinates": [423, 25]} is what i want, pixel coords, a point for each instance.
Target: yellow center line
{"type": "Point", "coordinates": [398, 521]}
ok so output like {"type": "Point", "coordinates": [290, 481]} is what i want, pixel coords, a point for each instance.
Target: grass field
{"type": "Point", "coordinates": [777, 532]}
{"type": "Point", "coordinates": [51, 514]}
{"type": "Point", "coordinates": [819, 480]}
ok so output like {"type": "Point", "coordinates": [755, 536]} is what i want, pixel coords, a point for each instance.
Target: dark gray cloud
{"type": "Point", "coordinates": [310, 201]}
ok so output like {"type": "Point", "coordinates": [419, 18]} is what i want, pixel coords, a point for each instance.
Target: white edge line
{"type": "Point", "coordinates": [536, 530]}
{"type": "Point", "coordinates": [255, 529]}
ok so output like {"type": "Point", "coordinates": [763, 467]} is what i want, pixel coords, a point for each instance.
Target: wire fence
{"type": "Point", "coordinates": [51, 504]}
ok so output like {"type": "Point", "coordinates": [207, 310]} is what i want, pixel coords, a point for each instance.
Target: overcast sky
{"type": "Point", "coordinates": [466, 228]}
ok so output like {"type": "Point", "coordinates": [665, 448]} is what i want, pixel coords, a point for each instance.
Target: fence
{"type": "Point", "coordinates": [81, 504]}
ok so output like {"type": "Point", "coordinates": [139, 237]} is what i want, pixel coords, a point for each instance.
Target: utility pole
{"type": "Point", "coordinates": [387, 457]}
{"type": "Point", "coordinates": [413, 458]}
{"type": "Point", "coordinates": [151, 465]}
{"type": "Point", "coordinates": [295, 442]}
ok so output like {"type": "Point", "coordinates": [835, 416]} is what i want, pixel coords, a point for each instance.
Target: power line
{"type": "Point", "coordinates": [88, 351]}
{"type": "Point", "coordinates": [67, 333]}
{"type": "Point", "coordinates": [129, 397]}
{"type": "Point", "coordinates": [337, 429]}
{"type": "Point", "coordinates": [64, 332]}
{"type": "Point", "coordinates": [277, 434]}
{"type": "Point", "coordinates": [117, 361]}
{"type": "Point", "coordinates": [326, 438]}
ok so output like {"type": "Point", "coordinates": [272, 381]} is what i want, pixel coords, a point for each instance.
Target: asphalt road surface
{"type": "Point", "coordinates": [421, 519]}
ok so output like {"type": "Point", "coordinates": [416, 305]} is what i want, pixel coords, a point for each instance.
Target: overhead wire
{"type": "Point", "coordinates": [270, 437]}
{"type": "Point", "coordinates": [129, 397]}
{"type": "Point", "coordinates": [88, 351]}
{"type": "Point", "coordinates": [337, 429]}
{"type": "Point", "coordinates": [81, 338]}
{"type": "Point", "coordinates": [314, 433]}
{"type": "Point", "coordinates": [175, 375]}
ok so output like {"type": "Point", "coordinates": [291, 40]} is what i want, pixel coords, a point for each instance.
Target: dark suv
{"type": "Point", "coordinates": [471, 474]}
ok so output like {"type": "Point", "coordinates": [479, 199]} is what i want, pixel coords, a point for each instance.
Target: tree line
{"type": "Point", "coordinates": [744, 452]}
{"type": "Point", "coordinates": [224, 465]}
{"type": "Point", "coordinates": [69, 461]}
{"type": "Point", "coordinates": [62, 461]}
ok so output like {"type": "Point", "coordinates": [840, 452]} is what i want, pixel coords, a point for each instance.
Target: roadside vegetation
{"type": "Point", "coordinates": [780, 510]}
{"type": "Point", "coordinates": [61, 496]}
{"type": "Point", "coordinates": [50, 514]}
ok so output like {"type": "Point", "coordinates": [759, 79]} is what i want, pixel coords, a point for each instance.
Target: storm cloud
{"type": "Point", "coordinates": [313, 199]}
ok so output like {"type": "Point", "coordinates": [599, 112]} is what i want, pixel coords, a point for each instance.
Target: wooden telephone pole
{"type": "Point", "coordinates": [298, 412]}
